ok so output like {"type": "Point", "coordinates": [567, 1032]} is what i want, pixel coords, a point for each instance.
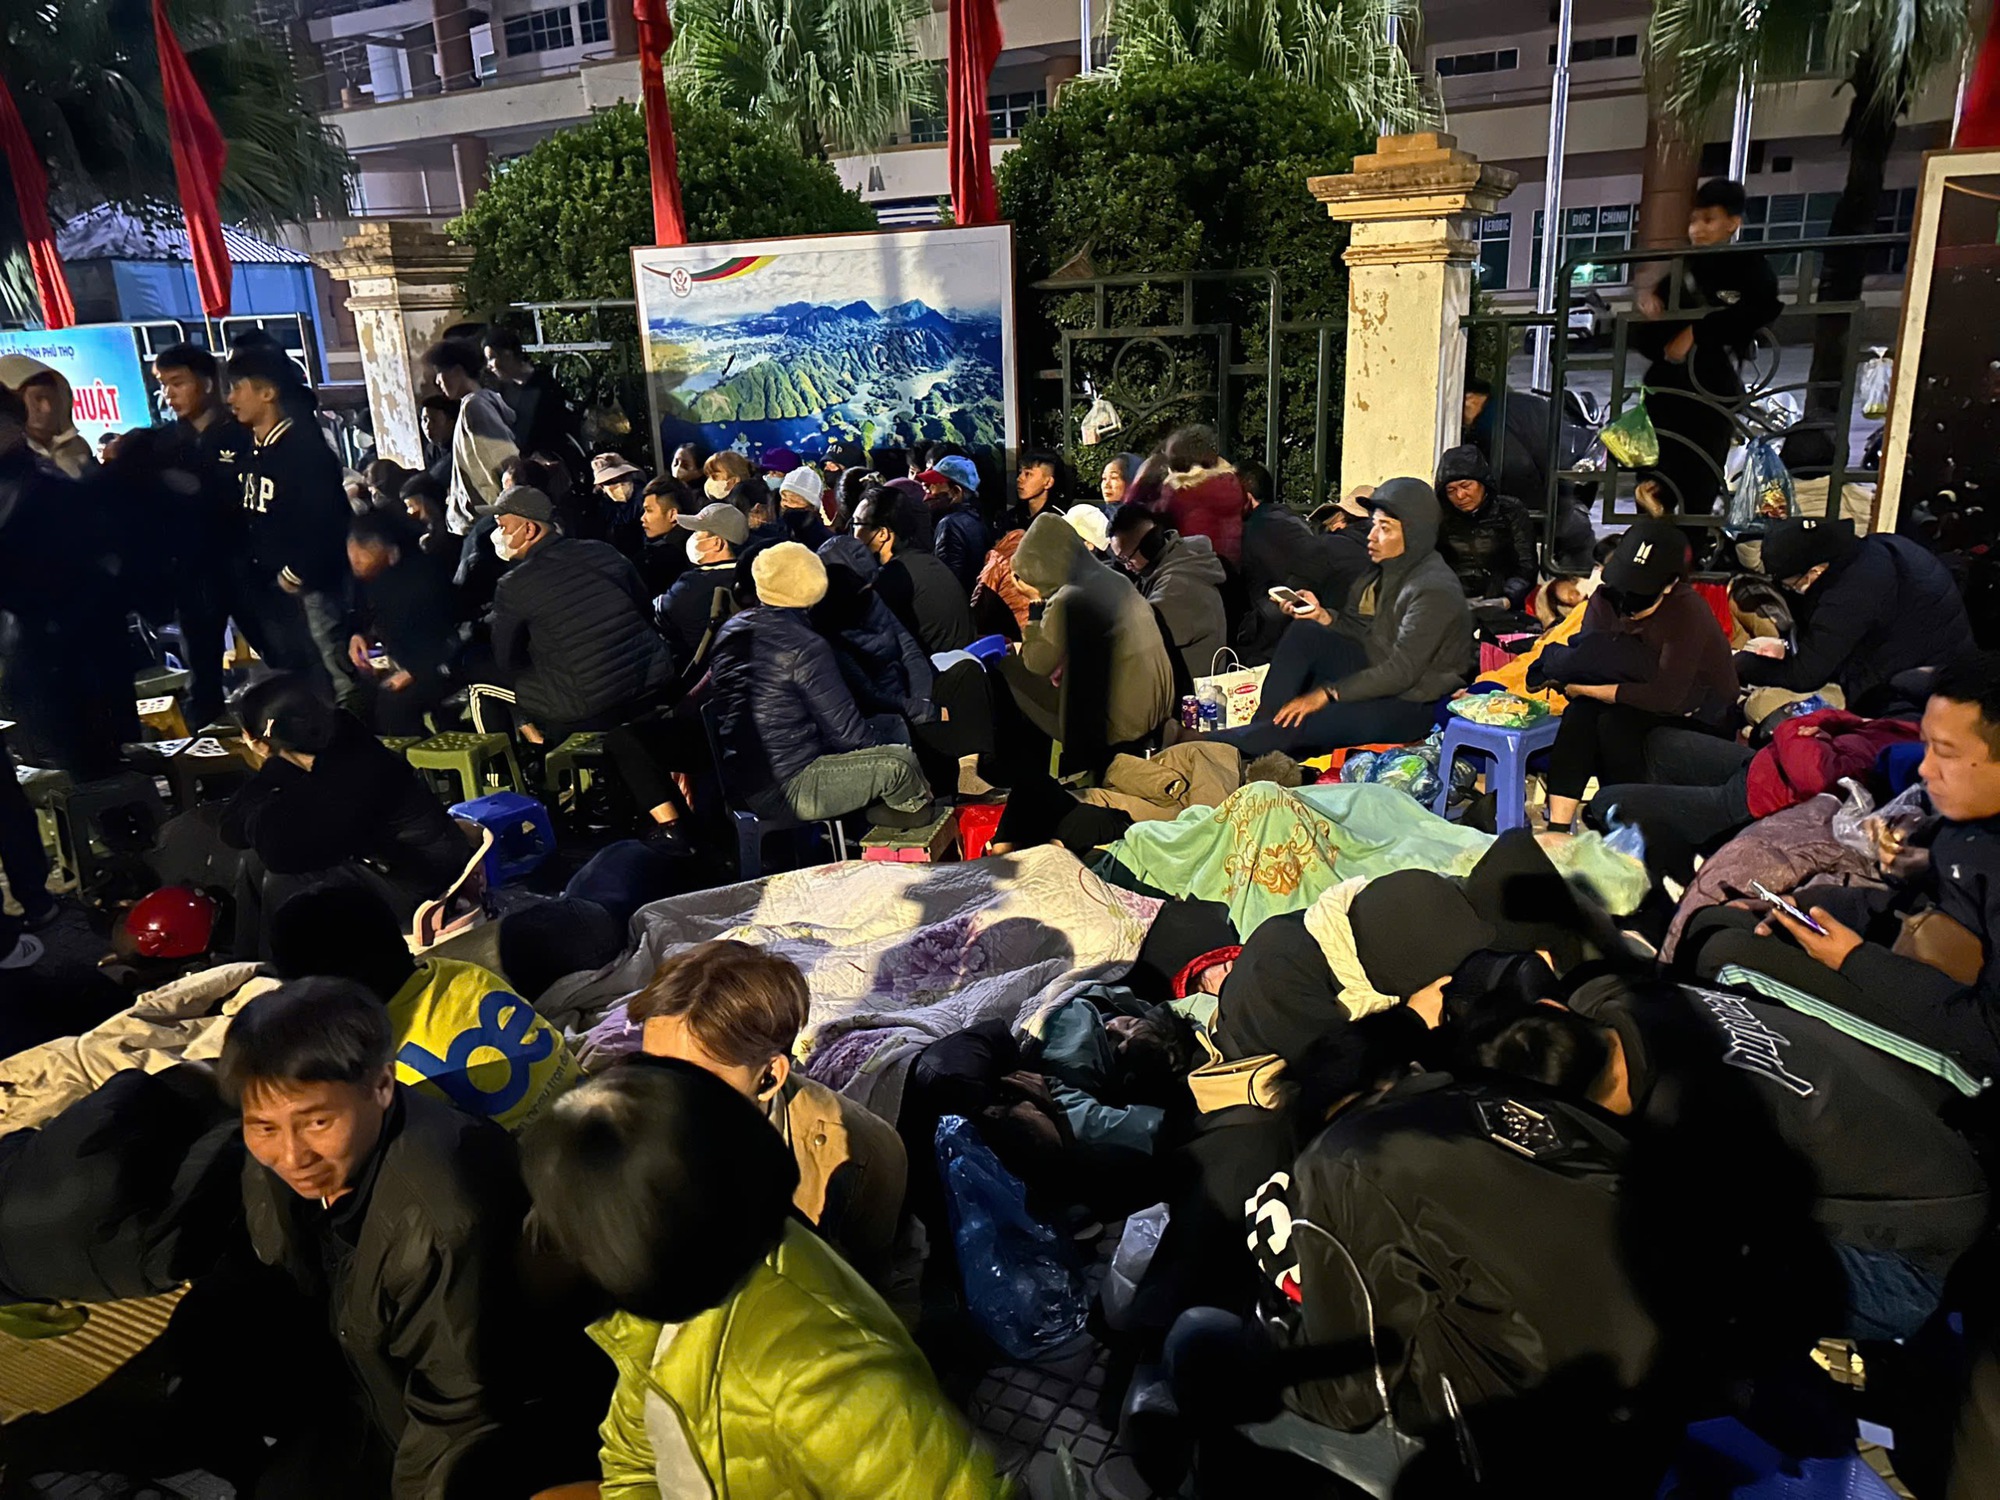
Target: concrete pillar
{"type": "Point", "coordinates": [1414, 206]}
{"type": "Point", "coordinates": [404, 281]}
{"type": "Point", "coordinates": [453, 26]}
{"type": "Point", "coordinates": [468, 160]}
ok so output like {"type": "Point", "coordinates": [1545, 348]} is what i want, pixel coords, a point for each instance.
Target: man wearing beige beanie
{"type": "Point", "coordinates": [792, 739]}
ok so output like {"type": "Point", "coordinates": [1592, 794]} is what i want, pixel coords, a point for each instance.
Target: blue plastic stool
{"type": "Point", "coordinates": [523, 835]}
{"type": "Point", "coordinates": [987, 647]}
{"type": "Point", "coordinates": [1723, 1457]}
{"type": "Point", "coordinates": [1509, 750]}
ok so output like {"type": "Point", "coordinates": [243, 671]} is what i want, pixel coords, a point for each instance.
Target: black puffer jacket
{"type": "Point", "coordinates": [574, 629]}
{"type": "Point", "coordinates": [1491, 549]}
{"type": "Point", "coordinates": [1883, 607]}
{"type": "Point", "coordinates": [780, 701]}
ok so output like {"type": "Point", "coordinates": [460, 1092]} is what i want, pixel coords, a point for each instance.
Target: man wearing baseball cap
{"type": "Point", "coordinates": [1650, 656]}
{"type": "Point", "coordinates": [572, 626]}
{"type": "Point", "coordinates": [704, 596]}
{"type": "Point", "coordinates": [951, 489]}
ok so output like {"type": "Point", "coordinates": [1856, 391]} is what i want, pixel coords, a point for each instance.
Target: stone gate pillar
{"type": "Point", "coordinates": [404, 281]}
{"type": "Point", "coordinates": [1414, 206]}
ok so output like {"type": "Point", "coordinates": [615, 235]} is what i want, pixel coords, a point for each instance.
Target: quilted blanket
{"type": "Point", "coordinates": [896, 955]}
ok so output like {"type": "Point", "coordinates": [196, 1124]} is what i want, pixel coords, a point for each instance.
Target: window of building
{"type": "Point", "coordinates": [927, 130]}
{"type": "Point", "coordinates": [1496, 244]}
{"type": "Point", "coordinates": [1895, 212]}
{"type": "Point", "coordinates": [1462, 64]}
{"type": "Point", "coordinates": [1788, 216]}
{"type": "Point", "coordinates": [1585, 49]}
{"type": "Point", "coordinates": [1588, 232]}
{"type": "Point", "coordinates": [593, 24]}
{"type": "Point", "coordinates": [1012, 112]}
{"type": "Point", "coordinates": [540, 31]}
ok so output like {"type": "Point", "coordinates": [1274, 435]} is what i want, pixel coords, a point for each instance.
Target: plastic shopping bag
{"type": "Point", "coordinates": [1872, 382]}
{"type": "Point", "coordinates": [1884, 834]}
{"type": "Point", "coordinates": [1630, 438]}
{"type": "Point", "coordinates": [1100, 422]}
{"type": "Point", "coordinates": [1129, 1262]}
{"type": "Point", "coordinates": [1763, 490]}
{"type": "Point", "coordinates": [1022, 1283]}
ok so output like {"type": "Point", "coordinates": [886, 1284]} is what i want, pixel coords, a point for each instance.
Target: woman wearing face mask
{"type": "Point", "coordinates": [1650, 656]}
{"type": "Point", "coordinates": [727, 477]}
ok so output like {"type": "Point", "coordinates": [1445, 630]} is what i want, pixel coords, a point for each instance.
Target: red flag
{"type": "Point", "coordinates": [31, 188]}
{"type": "Point", "coordinates": [1979, 121]}
{"type": "Point", "coordinates": [200, 154]}
{"type": "Point", "coordinates": [656, 34]}
{"type": "Point", "coordinates": [975, 47]}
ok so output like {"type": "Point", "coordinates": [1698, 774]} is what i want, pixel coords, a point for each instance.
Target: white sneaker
{"type": "Point", "coordinates": [27, 953]}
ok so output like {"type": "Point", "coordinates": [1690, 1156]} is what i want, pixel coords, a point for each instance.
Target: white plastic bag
{"type": "Point", "coordinates": [1872, 382]}
{"type": "Point", "coordinates": [1239, 687]}
{"type": "Point", "coordinates": [1100, 422]}
{"type": "Point", "coordinates": [1129, 1262]}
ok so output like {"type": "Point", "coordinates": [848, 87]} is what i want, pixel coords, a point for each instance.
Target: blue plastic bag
{"type": "Point", "coordinates": [1022, 1282]}
{"type": "Point", "coordinates": [1763, 491]}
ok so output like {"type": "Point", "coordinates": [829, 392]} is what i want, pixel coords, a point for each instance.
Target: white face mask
{"type": "Point", "coordinates": [718, 489]}
{"type": "Point", "coordinates": [503, 548]}
{"type": "Point", "coordinates": [694, 549]}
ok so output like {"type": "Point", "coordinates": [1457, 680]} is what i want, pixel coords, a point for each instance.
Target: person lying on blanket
{"type": "Point", "coordinates": [1931, 975]}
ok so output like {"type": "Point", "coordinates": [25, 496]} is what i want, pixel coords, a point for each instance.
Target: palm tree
{"type": "Point", "coordinates": [1885, 51]}
{"type": "Point", "coordinates": [840, 75]}
{"type": "Point", "coordinates": [1343, 48]}
{"type": "Point", "coordinates": [87, 79]}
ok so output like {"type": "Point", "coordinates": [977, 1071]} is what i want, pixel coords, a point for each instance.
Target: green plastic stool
{"type": "Point", "coordinates": [570, 768]}
{"type": "Point", "coordinates": [400, 743]}
{"type": "Point", "coordinates": [472, 758]}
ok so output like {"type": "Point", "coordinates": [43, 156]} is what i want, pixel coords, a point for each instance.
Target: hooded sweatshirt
{"type": "Point", "coordinates": [1410, 613]}
{"type": "Point", "coordinates": [1184, 583]}
{"type": "Point", "coordinates": [68, 450]}
{"type": "Point", "coordinates": [1492, 548]}
{"type": "Point", "coordinates": [1096, 631]}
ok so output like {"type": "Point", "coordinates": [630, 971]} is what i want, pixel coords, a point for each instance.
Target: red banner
{"type": "Point", "coordinates": [31, 189]}
{"type": "Point", "coordinates": [975, 47]}
{"type": "Point", "coordinates": [656, 34]}
{"type": "Point", "coordinates": [1979, 122]}
{"type": "Point", "coordinates": [200, 154]}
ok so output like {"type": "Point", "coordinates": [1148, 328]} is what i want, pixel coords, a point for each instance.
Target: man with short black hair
{"type": "Point", "coordinates": [572, 625]}
{"type": "Point", "coordinates": [291, 591]}
{"type": "Point", "coordinates": [482, 438]}
{"type": "Point", "coordinates": [406, 603]}
{"type": "Point", "coordinates": [1725, 301]}
{"type": "Point", "coordinates": [1940, 984]}
{"type": "Point", "coordinates": [438, 417]}
{"type": "Point", "coordinates": [1035, 486]}
{"type": "Point", "coordinates": [402, 1218]}
{"type": "Point", "coordinates": [543, 420]}
{"type": "Point", "coordinates": [215, 446]}
{"type": "Point", "coordinates": [1181, 578]}
{"type": "Point", "coordinates": [921, 591]}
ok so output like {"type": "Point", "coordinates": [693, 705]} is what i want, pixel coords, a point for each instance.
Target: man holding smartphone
{"type": "Point", "coordinates": [1928, 966]}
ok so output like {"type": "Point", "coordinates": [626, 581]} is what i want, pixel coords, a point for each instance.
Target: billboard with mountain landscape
{"type": "Point", "coordinates": [887, 340]}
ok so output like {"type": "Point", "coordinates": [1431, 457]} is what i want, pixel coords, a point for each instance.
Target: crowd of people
{"type": "Point", "coordinates": [1474, 1183]}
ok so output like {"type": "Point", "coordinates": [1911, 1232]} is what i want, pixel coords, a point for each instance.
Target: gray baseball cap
{"type": "Point", "coordinates": [721, 518]}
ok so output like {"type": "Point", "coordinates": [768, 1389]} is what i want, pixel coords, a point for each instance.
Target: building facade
{"type": "Point", "coordinates": [431, 94]}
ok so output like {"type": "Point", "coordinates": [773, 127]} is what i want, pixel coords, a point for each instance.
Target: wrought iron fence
{"type": "Point", "coordinates": [1796, 390]}
{"type": "Point", "coordinates": [1176, 347]}
{"type": "Point", "coordinates": [592, 348]}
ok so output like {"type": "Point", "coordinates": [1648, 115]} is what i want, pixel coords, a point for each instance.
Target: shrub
{"type": "Point", "coordinates": [1186, 168]}
{"type": "Point", "coordinates": [560, 222]}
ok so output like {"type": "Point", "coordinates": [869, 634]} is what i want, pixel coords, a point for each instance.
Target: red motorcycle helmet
{"type": "Point", "coordinates": [176, 921]}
